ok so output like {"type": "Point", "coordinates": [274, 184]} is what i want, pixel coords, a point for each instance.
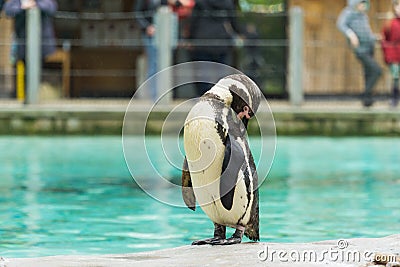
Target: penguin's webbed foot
{"type": "Point", "coordinates": [219, 236]}
{"type": "Point", "coordinates": [208, 241]}
{"type": "Point", "coordinates": [235, 239]}
{"type": "Point", "coordinates": [230, 241]}
{"type": "Point", "coordinates": [217, 241]}
{"type": "Point", "coordinates": [221, 241]}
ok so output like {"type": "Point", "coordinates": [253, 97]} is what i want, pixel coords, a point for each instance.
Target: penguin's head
{"type": "Point", "coordinates": [241, 94]}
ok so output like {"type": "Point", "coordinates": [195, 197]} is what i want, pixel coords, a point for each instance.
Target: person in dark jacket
{"type": "Point", "coordinates": [353, 22]}
{"type": "Point", "coordinates": [391, 50]}
{"type": "Point", "coordinates": [1, 4]}
{"type": "Point", "coordinates": [17, 9]}
{"type": "Point", "coordinates": [213, 28]}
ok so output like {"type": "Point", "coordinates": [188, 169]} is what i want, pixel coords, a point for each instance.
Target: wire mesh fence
{"type": "Point", "coordinates": [106, 53]}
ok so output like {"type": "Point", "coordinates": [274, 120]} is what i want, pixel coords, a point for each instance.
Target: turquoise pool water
{"type": "Point", "coordinates": [74, 195]}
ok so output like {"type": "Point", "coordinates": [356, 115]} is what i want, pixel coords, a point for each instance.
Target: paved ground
{"type": "Point", "coordinates": [352, 252]}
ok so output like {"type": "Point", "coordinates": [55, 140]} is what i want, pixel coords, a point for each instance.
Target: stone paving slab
{"type": "Point", "coordinates": [358, 252]}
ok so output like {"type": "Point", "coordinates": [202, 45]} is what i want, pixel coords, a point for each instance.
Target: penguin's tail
{"type": "Point", "coordinates": [252, 232]}
{"type": "Point", "coordinates": [253, 226]}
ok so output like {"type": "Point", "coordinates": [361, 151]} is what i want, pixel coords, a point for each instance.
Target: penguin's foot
{"type": "Point", "coordinates": [221, 241]}
{"type": "Point", "coordinates": [230, 241]}
{"type": "Point", "coordinates": [208, 241]}
{"type": "Point", "coordinates": [235, 239]}
{"type": "Point", "coordinates": [219, 236]}
{"type": "Point", "coordinates": [217, 241]}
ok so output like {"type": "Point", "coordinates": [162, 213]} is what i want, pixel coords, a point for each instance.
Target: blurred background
{"type": "Point", "coordinates": [100, 52]}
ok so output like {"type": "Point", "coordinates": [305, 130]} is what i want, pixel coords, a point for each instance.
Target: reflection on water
{"type": "Point", "coordinates": [74, 195]}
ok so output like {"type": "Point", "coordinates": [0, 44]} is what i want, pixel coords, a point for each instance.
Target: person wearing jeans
{"type": "Point", "coordinates": [145, 11]}
{"type": "Point", "coordinates": [353, 22]}
{"type": "Point", "coordinates": [17, 9]}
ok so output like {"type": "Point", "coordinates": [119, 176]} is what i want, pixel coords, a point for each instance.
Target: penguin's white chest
{"type": "Point", "coordinates": [205, 152]}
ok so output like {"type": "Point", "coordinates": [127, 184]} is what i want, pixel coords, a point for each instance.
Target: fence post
{"type": "Point", "coordinates": [166, 25]}
{"type": "Point", "coordinates": [296, 59]}
{"type": "Point", "coordinates": [33, 55]}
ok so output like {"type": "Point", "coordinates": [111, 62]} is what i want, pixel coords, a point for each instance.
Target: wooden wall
{"type": "Point", "coordinates": [330, 67]}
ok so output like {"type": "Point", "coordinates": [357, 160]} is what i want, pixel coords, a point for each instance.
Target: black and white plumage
{"type": "Point", "coordinates": [219, 170]}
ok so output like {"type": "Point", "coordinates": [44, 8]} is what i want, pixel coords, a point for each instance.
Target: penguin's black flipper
{"type": "Point", "coordinates": [187, 189]}
{"type": "Point", "coordinates": [233, 161]}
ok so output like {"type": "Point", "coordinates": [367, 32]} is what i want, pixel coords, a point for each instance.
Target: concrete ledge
{"type": "Point", "coordinates": [350, 123]}
{"type": "Point", "coordinates": [106, 118]}
{"type": "Point", "coordinates": [50, 122]}
{"type": "Point", "coordinates": [352, 252]}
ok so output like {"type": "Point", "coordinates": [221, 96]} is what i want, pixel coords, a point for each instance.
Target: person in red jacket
{"type": "Point", "coordinates": [391, 50]}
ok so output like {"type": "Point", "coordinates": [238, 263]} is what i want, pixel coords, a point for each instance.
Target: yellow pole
{"type": "Point", "coordinates": [20, 80]}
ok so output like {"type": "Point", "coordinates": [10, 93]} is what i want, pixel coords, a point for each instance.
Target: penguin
{"type": "Point", "coordinates": [219, 170]}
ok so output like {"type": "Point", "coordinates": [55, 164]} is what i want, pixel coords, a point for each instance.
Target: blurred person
{"type": "Point", "coordinates": [146, 9]}
{"type": "Point", "coordinates": [213, 30]}
{"type": "Point", "coordinates": [1, 4]}
{"type": "Point", "coordinates": [353, 22]}
{"type": "Point", "coordinates": [183, 10]}
{"type": "Point", "coordinates": [17, 9]}
{"type": "Point", "coordinates": [391, 50]}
